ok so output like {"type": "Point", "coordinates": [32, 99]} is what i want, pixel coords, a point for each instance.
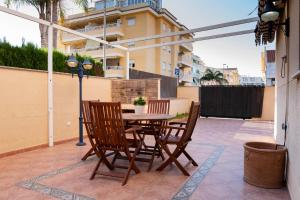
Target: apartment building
{"type": "Point", "coordinates": [268, 66]}
{"type": "Point", "coordinates": [251, 80]}
{"type": "Point", "coordinates": [231, 75]}
{"type": "Point", "coordinates": [127, 19]}
{"type": "Point", "coordinates": [198, 69]}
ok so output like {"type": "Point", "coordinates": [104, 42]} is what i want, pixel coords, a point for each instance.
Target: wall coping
{"type": "Point", "coordinates": [43, 71]}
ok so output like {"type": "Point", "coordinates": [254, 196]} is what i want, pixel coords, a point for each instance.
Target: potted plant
{"type": "Point", "coordinates": [139, 105]}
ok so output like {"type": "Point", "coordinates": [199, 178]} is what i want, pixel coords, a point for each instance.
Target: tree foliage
{"type": "Point", "coordinates": [31, 57]}
{"type": "Point", "coordinates": [213, 77]}
{"type": "Point", "coordinates": [43, 7]}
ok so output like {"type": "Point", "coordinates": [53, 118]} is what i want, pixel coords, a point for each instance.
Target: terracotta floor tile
{"type": "Point", "coordinates": [224, 180]}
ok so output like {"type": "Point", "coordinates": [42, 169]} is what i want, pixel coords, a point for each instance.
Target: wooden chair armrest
{"type": "Point", "coordinates": [133, 129]}
{"type": "Point", "coordinates": [178, 123]}
{"type": "Point", "coordinates": [169, 132]}
{"type": "Point", "coordinates": [181, 124]}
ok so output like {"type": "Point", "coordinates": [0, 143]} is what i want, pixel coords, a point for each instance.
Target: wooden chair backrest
{"type": "Point", "coordinates": [158, 106]}
{"type": "Point", "coordinates": [87, 118]}
{"type": "Point", "coordinates": [191, 123]}
{"type": "Point", "coordinates": [108, 125]}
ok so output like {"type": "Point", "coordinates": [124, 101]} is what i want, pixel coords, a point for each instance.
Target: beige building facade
{"type": "Point", "coordinates": [127, 21]}
{"type": "Point", "coordinates": [231, 75]}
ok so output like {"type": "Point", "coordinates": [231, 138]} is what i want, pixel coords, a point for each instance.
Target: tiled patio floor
{"type": "Point", "coordinates": [217, 146]}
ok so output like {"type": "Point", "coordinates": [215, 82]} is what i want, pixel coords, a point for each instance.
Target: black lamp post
{"type": "Point", "coordinates": [82, 67]}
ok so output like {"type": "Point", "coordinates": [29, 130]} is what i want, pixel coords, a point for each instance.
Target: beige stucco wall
{"type": "Point", "coordinates": [268, 104]}
{"type": "Point", "coordinates": [290, 47]}
{"type": "Point", "coordinates": [23, 106]}
{"type": "Point", "coordinates": [179, 106]}
{"type": "Point", "coordinates": [191, 93]}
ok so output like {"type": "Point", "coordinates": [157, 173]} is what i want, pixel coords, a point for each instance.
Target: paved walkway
{"type": "Point", "coordinates": [217, 146]}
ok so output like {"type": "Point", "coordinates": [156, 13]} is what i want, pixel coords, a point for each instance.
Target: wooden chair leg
{"type": "Point", "coordinates": [190, 158]}
{"type": "Point", "coordinates": [88, 154]}
{"type": "Point", "coordinates": [115, 157]}
{"type": "Point", "coordinates": [173, 158]}
{"type": "Point", "coordinates": [131, 166]}
{"type": "Point", "coordinates": [105, 161]}
{"type": "Point", "coordinates": [96, 169]}
{"type": "Point", "coordinates": [153, 156]}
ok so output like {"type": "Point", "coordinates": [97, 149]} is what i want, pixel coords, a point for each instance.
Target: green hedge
{"type": "Point", "coordinates": [31, 57]}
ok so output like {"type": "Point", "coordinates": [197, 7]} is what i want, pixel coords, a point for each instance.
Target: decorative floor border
{"type": "Point", "coordinates": [184, 193]}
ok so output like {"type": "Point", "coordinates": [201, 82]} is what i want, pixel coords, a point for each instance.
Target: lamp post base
{"type": "Point", "coordinates": [81, 144]}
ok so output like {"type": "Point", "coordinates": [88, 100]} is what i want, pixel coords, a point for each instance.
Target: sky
{"type": "Point", "coordinates": [238, 51]}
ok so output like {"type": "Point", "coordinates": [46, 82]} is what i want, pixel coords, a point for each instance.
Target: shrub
{"type": "Point", "coordinates": [31, 57]}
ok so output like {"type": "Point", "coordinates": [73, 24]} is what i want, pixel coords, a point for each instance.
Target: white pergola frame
{"type": "Point", "coordinates": [117, 44]}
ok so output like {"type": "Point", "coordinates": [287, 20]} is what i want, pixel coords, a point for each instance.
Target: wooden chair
{"type": "Point", "coordinates": [181, 138]}
{"type": "Point", "coordinates": [158, 106]}
{"type": "Point", "coordinates": [155, 107]}
{"type": "Point", "coordinates": [110, 135]}
{"type": "Point", "coordinates": [87, 121]}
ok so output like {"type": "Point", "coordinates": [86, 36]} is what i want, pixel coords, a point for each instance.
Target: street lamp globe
{"type": "Point", "coordinates": [72, 62]}
{"type": "Point", "coordinates": [270, 13]}
{"type": "Point", "coordinates": [87, 65]}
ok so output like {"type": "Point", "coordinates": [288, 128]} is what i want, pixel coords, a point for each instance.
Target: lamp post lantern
{"type": "Point", "coordinates": [79, 68]}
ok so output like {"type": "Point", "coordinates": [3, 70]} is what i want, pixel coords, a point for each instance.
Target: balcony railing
{"type": "Point", "coordinates": [111, 52]}
{"type": "Point", "coordinates": [187, 47]}
{"type": "Point", "coordinates": [122, 4]}
{"type": "Point", "coordinates": [186, 77]}
{"type": "Point", "coordinates": [112, 29]}
{"type": "Point", "coordinates": [185, 61]}
{"type": "Point", "coordinates": [114, 72]}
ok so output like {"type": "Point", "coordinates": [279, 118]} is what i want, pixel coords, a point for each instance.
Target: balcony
{"type": "Point", "coordinates": [113, 30]}
{"type": "Point", "coordinates": [185, 61]}
{"type": "Point", "coordinates": [187, 47]}
{"type": "Point", "coordinates": [111, 52]}
{"type": "Point", "coordinates": [186, 77]}
{"type": "Point", "coordinates": [123, 4]}
{"type": "Point", "coordinates": [114, 72]}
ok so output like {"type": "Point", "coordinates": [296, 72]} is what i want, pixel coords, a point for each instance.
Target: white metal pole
{"type": "Point", "coordinates": [178, 42]}
{"type": "Point", "coordinates": [50, 84]}
{"type": "Point", "coordinates": [127, 64]}
{"type": "Point", "coordinates": [104, 38]}
{"type": "Point", "coordinates": [195, 30]}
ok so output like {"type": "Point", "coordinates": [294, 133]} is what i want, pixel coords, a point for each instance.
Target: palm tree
{"type": "Point", "coordinates": [210, 76]}
{"type": "Point", "coordinates": [44, 9]}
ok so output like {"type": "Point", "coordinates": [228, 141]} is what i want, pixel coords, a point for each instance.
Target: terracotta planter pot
{"type": "Point", "coordinates": [264, 164]}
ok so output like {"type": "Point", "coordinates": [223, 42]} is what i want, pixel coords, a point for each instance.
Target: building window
{"type": "Point", "coordinates": [131, 21]}
{"type": "Point", "coordinates": [163, 68]}
{"type": "Point", "coordinates": [131, 44]}
{"type": "Point", "coordinates": [132, 63]}
{"type": "Point", "coordinates": [169, 70]}
{"type": "Point", "coordinates": [163, 27]}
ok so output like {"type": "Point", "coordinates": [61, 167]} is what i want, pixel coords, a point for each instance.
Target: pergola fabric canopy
{"type": "Point", "coordinates": [264, 31]}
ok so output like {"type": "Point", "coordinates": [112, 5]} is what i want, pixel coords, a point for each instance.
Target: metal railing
{"type": "Point", "coordinates": [80, 50]}
{"type": "Point", "coordinates": [99, 27]}
{"type": "Point", "coordinates": [115, 68]}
